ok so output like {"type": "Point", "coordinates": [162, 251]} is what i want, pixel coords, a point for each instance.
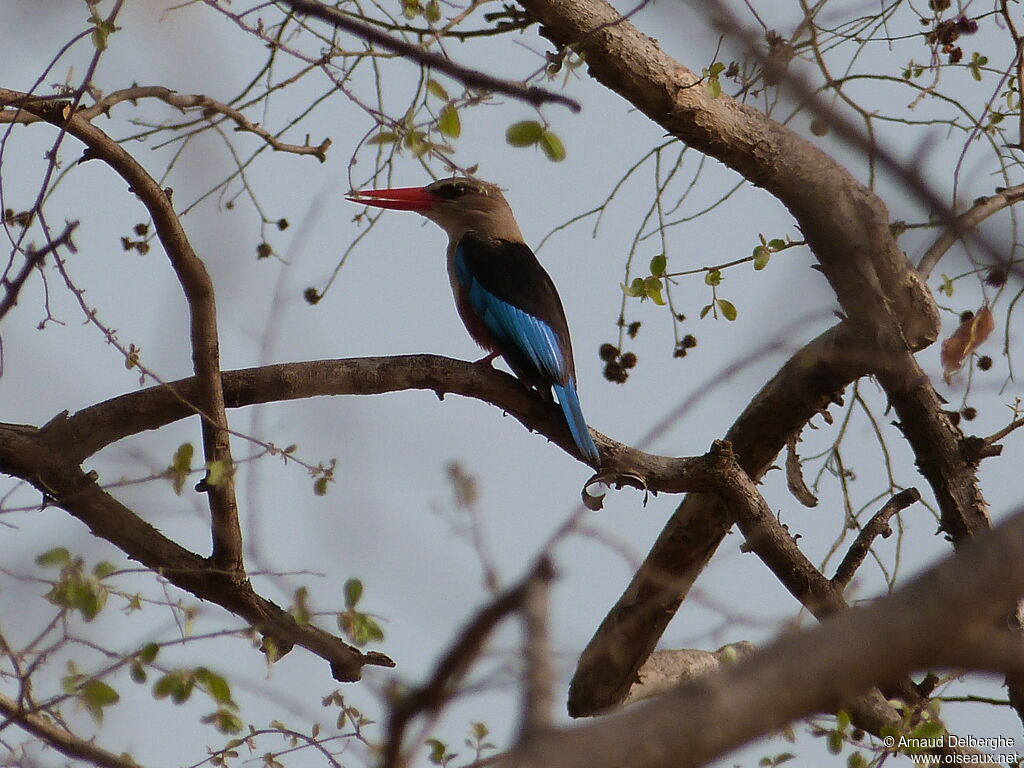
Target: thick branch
{"type": "Point", "coordinates": [814, 670]}
{"type": "Point", "coordinates": [97, 426]}
{"type": "Point", "coordinates": [806, 385]}
{"type": "Point", "coordinates": [63, 741]}
{"type": "Point", "coordinates": [199, 294]}
{"type": "Point", "coordinates": [34, 455]}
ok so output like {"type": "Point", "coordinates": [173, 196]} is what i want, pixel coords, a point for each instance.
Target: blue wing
{"type": "Point", "coordinates": [514, 298]}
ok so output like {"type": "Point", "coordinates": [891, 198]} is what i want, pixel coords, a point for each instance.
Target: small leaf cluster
{"type": "Point", "coordinates": [431, 11]}
{"type": "Point", "coordinates": [917, 726]}
{"type": "Point", "coordinates": [714, 278]}
{"type": "Point", "coordinates": [530, 133]}
{"type": "Point", "coordinates": [842, 733]}
{"type": "Point", "coordinates": [101, 29]}
{"type": "Point", "coordinates": [711, 77]}
{"type": "Point", "coordinates": [762, 252]}
{"type": "Point", "coordinates": [406, 134]}
{"type": "Point", "coordinates": [77, 589]}
{"type": "Point", "coordinates": [93, 694]}
{"type": "Point", "coordinates": [361, 628]}
{"type": "Point", "coordinates": [652, 286]}
{"type": "Point", "coordinates": [179, 685]}
{"type": "Point", "coordinates": [347, 713]}
{"type": "Point", "coordinates": [324, 476]}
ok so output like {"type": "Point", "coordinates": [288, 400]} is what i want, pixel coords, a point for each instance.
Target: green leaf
{"type": "Point", "coordinates": [728, 309]}
{"type": "Point", "coordinates": [137, 672]}
{"type": "Point", "coordinates": [977, 62]}
{"type": "Point", "coordinates": [762, 255]}
{"type": "Point", "coordinates": [320, 486]}
{"type": "Point", "coordinates": [434, 88]}
{"type": "Point", "coordinates": [525, 133]}
{"type": "Point", "coordinates": [103, 569]}
{"type": "Point", "coordinates": [658, 264]}
{"type": "Point", "coordinates": [552, 146]}
{"type": "Point", "coordinates": [842, 720]}
{"type": "Point", "coordinates": [384, 137]}
{"type": "Point", "coordinates": [713, 277]}
{"type": "Point", "coordinates": [856, 760]}
{"type": "Point", "coordinates": [438, 751]}
{"type": "Point", "coordinates": [777, 244]}
{"type": "Point", "coordinates": [225, 721]}
{"type": "Point", "coordinates": [652, 288]}
{"type": "Point", "coordinates": [215, 685]}
{"type": "Point", "coordinates": [448, 123]}
{"type": "Point", "coordinates": [834, 742]}
{"type": "Point", "coordinates": [173, 684]}
{"type": "Point", "coordinates": [181, 465]}
{"type": "Point", "coordinates": [58, 556]}
{"type": "Point", "coordinates": [636, 288]}
{"type": "Point", "coordinates": [148, 652]}
{"type": "Point", "coordinates": [704, 312]}
{"type": "Point", "coordinates": [353, 593]}
{"type": "Point", "coordinates": [217, 471]}
{"type": "Point", "coordinates": [433, 11]}
{"type": "Point", "coordinates": [95, 695]}
{"type": "Point", "coordinates": [947, 285]}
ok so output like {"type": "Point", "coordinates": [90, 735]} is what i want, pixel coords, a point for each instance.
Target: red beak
{"type": "Point", "coordinates": [400, 199]}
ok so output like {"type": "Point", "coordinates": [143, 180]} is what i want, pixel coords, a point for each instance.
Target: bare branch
{"type": "Point", "coordinates": [33, 258]}
{"type": "Point", "coordinates": [38, 457]}
{"type": "Point", "coordinates": [877, 526]}
{"type": "Point", "coordinates": [983, 208]}
{"type": "Point", "coordinates": [60, 739]}
{"type": "Point", "coordinates": [469, 77]}
{"type": "Point", "coordinates": [199, 294]}
{"type": "Point", "coordinates": [814, 670]}
{"type": "Point", "coordinates": [456, 662]}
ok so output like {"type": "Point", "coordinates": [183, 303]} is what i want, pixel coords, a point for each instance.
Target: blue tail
{"type": "Point", "coordinates": [570, 403]}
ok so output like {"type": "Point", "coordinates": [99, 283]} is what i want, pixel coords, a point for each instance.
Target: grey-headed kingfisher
{"type": "Point", "coordinates": [505, 298]}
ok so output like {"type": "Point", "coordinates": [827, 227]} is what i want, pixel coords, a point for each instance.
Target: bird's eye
{"type": "Point", "coordinates": [453, 191]}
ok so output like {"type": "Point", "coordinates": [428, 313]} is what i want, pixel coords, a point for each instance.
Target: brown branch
{"type": "Point", "coordinates": [97, 426]}
{"type": "Point", "coordinates": [468, 76]}
{"type": "Point", "coordinates": [199, 294]}
{"type": "Point", "coordinates": [37, 456]}
{"type": "Point", "coordinates": [453, 666]}
{"type": "Point", "coordinates": [983, 208]}
{"type": "Point", "coordinates": [877, 526]}
{"type": "Point", "coordinates": [33, 258]}
{"type": "Point", "coordinates": [60, 739]}
{"type": "Point", "coordinates": [814, 670]}
{"type": "Point", "coordinates": [184, 102]}
{"type": "Point", "coordinates": [537, 697]}
{"type": "Point", "coordinates": [810, 381]}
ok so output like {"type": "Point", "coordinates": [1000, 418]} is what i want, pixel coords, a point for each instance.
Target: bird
{"type": "Point", "coordinates": [506, 299]}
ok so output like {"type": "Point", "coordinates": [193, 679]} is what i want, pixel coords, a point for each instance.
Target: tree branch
{"type": "Point", "coordinates": [37, 456]}
{"type": "Point", "coordinates": [469, 77]}
{"type": "Point", "coordinates": [814, 670]}
{"type": "Point", "coordinates": [61, 740]}
{"type": "Point", "coordinates": [33, 258]}
{"type": "Point", "coordinates": [877, 526]}
{"type": "Point", "coordinates": [199, 294]}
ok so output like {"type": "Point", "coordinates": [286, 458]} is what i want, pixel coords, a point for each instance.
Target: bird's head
{"type": "Point", "coordinates": [458, 205]}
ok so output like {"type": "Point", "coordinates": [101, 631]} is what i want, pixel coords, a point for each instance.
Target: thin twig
{"type": "Point", "coordinates": [877, 526]}
{"type": "Point", "coordinates": [469, 77]}
{"type": "Point", "coordinates": [33, 258]}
